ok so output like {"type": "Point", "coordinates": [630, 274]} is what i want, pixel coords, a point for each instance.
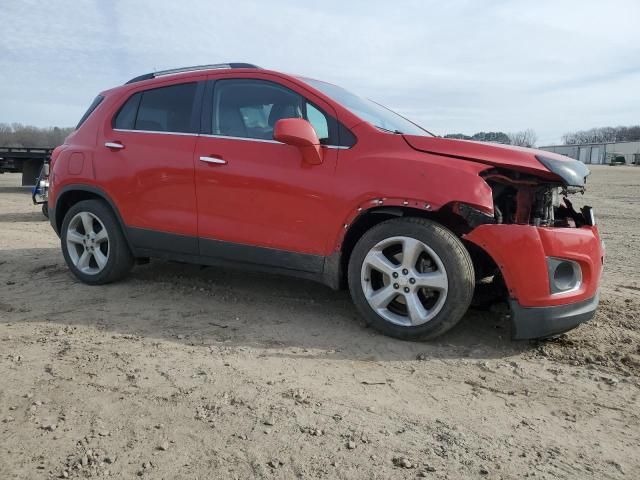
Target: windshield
{"type": "Point", "coordinates": [370, 111]}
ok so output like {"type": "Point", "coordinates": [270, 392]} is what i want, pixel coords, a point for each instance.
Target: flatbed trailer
{"type": "Point", "coordinates": [28, 161]}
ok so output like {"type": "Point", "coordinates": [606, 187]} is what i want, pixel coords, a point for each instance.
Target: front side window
{"type": "Point", "coordinates": [250, 109]}
{"type": "Point", "coordinates": [165, 109]}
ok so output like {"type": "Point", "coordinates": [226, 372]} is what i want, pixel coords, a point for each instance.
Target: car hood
{"type": "Point", "coordinates": [541, 163]}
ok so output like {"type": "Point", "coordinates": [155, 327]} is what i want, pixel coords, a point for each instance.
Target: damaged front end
{"type": "Point", "coordinates": [548, 254]}
{"type": "Point", "coordinates": [524, 199]}
{"type": "Point", "coordinates": [543, 253]}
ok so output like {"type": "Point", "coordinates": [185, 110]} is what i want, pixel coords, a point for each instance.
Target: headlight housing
{"type": "Point", "coordinates": [572, 172]}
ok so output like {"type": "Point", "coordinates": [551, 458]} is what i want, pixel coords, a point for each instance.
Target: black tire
{"type": "Point", "coordinates": [119, 260]}
{"type": "Point", "coordinates": [45, 210]}
{"type": "Point", "coordinates": [453, 255]}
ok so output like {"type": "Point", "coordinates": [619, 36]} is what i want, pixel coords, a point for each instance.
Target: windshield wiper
{"type": "Point", "coordinates": [397, 132]}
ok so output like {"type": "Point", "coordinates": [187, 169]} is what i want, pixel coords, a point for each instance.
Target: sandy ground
{"type": "Point", "coordinates": [183, 372]}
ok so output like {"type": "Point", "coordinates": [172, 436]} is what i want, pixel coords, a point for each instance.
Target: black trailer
{"type": "Point", "coordinates": [28, 161]}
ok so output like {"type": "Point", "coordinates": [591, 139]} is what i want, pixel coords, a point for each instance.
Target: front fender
{"type": "Point", "coordinates": [424, 182]}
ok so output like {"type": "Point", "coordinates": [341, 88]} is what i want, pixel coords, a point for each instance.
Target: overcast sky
{"type": "Point", "coordinates": [452, 66]}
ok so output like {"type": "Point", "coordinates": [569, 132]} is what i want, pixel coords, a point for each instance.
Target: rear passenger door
{"type": "Point", "coordinates": [147, 164]}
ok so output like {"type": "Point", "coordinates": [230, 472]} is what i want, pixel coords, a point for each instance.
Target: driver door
{"type": "Point", "coordinates": [258, 201]}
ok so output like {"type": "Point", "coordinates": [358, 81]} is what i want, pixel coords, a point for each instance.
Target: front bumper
{"type": "Point", "coordinates": [541, 322]}
{"type": "Point", "coordinates": [521, 253]}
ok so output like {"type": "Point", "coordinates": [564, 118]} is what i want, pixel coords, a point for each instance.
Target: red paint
{"type": "Point", "coordinates": [521, 250]}
{"type": "Point", "coordinates": [515, 158]}
{"type": "Point", "coordinates": [275, 195]}
{"type": "Point", "coordinates": [151, 179]}
{"type": "Point", "coordinates": [76, 163]}
{"type": "Point", "coordinates": [265, 195]}
{"type": "Point", "coordinates": [299, 133]}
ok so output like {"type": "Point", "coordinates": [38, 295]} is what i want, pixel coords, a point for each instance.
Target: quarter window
{"type": "Point", "coordinates": [318, 120]}
{"type": "Point", "coordinates": [92, 107]}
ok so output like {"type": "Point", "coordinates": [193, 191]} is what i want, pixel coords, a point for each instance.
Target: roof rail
{"type": "Point", "coordinates": [215, 66]}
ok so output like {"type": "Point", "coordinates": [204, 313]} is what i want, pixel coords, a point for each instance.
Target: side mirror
{"type": "Point", "coordinates": [299, 133]}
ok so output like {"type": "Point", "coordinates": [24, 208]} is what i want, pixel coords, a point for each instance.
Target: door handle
{"type": "Point", "coordinates": [216, 160]}
{"type": "Point", "coordinates": [116, 145]}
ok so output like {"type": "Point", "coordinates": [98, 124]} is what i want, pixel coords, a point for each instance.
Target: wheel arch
{"type": "Point", "coordinates": [69, 195]}
{"type": "Point", "coordinates": [445, 216]}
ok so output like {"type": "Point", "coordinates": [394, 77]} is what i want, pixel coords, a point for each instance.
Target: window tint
{"type": "Point", "coordinates": [92, 107]}
{"type": "Point", "coordinates": [346, 138]}
{"type": "Point", "coordinates": [251, 108]}
{"type": "Point", "coordinates": [165, 109]}
{"type": "Point", "coordinates": [126, 117]}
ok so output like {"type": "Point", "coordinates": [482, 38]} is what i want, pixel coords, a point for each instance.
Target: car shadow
{"type": "Point", "coordinates": [201, 306]}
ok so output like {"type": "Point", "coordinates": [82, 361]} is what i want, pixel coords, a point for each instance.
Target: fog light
{"type": "Point", "coordinates": [564, 275]}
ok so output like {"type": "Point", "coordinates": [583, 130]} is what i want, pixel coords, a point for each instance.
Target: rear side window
{"type": "Point", "coordinates": [92, 107]}
{"type": "Point", "coordinates": [165, 109]}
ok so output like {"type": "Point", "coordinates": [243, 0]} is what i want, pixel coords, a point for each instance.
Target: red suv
{"type": "Point", "coordinates": [235, 165]}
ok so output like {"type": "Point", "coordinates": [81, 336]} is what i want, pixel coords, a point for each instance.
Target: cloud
{"type": "Point", "coordinates": [456, 66]}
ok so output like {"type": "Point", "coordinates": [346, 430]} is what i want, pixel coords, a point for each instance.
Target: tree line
{"type": "Point", "coordinates": [19, 135]}
{"type": "Point", "coordinates": [524, 138]}
{"type": "Point", "coordinates": [602, 134]}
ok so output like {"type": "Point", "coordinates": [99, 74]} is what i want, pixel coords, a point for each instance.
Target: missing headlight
{"type": "Point", "coordinates": [529, 200]}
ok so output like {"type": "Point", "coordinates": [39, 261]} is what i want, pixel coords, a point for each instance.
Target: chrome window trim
{"type": "Point", "coordinates": [246, 139]}
{"type": "Point", "coordinates": [264, 140]}
{"type": "Point", "coordinates": [250, 139]}
{"type": "Point", "coordinates": [155, 131]}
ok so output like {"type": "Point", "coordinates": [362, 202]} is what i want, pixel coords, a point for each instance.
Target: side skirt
{"type": "Point", "coordinates": [182, 248]}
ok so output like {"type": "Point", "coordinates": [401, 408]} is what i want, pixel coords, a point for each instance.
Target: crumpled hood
{"type": "Point", "coordinates": [541, 163]}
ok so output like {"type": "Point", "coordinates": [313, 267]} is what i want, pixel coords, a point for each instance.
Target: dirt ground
{"type": "Point", "coordinates": [187, 372]}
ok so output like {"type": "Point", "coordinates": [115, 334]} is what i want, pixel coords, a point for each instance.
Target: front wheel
{"type": "Point", "coordinates": [93, 244]}
{"type": "Point", "coordinates": [411, 278]}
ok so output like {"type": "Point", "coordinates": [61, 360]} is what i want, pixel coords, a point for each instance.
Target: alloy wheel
{"type": "Point", "coordinates": [87, 243]}
{"type": "Point", "coordinates": [404, 281]}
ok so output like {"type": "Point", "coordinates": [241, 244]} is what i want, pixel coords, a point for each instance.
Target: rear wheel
{"type": "Point", "coordinates": [411, 278]}
{"type": "Point", "coordinates": [93, 244]}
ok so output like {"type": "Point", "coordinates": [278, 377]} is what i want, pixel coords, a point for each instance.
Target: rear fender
{"type": "Point", "coordinates": [56, 218]}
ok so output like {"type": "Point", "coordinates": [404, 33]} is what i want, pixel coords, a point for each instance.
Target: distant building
{"type": "Point", "coordinates": [603, 152]}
